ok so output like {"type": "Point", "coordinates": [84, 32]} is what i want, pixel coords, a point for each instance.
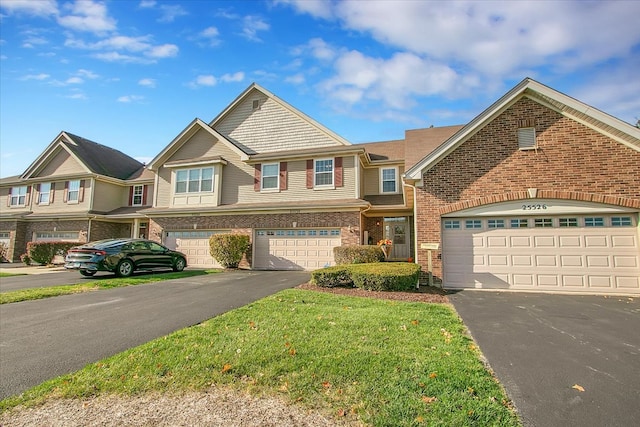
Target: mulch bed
{"type": "Point", "coordinates": [423, 294]}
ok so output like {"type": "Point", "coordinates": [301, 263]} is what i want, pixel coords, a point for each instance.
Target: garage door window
{"type": "Point", "coordinates": [621, 221]}
{"type": "Point", "coordinates": [473, 223]}
{"type": "Point", "coordinates": [519, 223]}
{"type": "Point", "coordinates": [495, 223]}
{"type": "Point", "coordinates": [594, 222]}
{"type": "Point", "coordinates": [543, 222]}
{"type": "Point", "coordinates": [452, 224]}
{"type": "Point", "coordinates": [568, 222]}
{"type": "Point", "coordinates": [59, 236]}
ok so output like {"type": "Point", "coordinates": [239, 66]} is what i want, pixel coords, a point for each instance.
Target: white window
{"type": "Point", "coordinates": [18, 196]}
{"type": "Point", "coordinates": [527, 138]}
{"type": "Point", "coordinates": [73, 194]}
{"type": "Point", "coordinates": [199, 180]}
{"type": "Point", "coordinates": [138, 195]}
{"type": "Point", "coordinates": [323, 173]}
{"type": "Point", "coordinates": [45, 193]}
{"type": "Point", "coordinates": [388, 180]}
{"type": "Point", "coordinates": [621, 221]}
{"type": "Point", "coordinates": [270, 176]}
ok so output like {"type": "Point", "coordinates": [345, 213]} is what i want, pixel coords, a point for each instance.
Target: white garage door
{"type": "Point", "coordinates": [585, 253]}
{"type": "Point", "coordinates": [295, 249]}
{"type": "Point", "coordinates": [195, 245]}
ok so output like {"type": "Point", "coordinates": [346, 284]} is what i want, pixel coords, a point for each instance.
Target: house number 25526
{"type": "Point", "coordinates": [533, 207]}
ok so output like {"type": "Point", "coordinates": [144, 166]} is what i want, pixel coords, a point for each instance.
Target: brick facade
{"type": "Point", "coordinates": [572, 162]}
{"type": "Point", "coordinates": [109, 230]}
{"type": "Point", "coordinates": [346, 221]}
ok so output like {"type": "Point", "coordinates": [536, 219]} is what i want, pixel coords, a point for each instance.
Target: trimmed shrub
{"type": "Point", "coordinates": [387, 276]}
{"type": "Point", "coordinates": [43, 252]}
{"type": "Point", "coordinates": [378, 276]}
{"type": "Point", "coordinates": [358, 254]}
{"type": "Point", "coordinates": [25, 259]}
{"type": "Point", "coordinates": [331, 277]}
{"type": "Point", "coordinates": [3, 252]}
{"type": "Point", "coordinates": [228, 249]}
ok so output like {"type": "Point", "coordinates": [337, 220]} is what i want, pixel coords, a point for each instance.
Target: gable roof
{"type": "Point", "coordinates": [245, 95]}
{"type": "Point", "coordinates": [184, 136]}
{"type": "Point", "coordinates": [95, 158]}
{"type": "Point", "coordinates": [604, 123]}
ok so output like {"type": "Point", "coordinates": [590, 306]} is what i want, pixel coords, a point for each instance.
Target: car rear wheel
{"type": "Point", "coordinates": [125, 268]}
{"type": "Point", "coordinates": [87, 273]}
{"type": "Point", "coordinates": [180, 264]}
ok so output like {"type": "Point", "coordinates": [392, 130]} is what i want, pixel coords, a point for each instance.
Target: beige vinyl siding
{"type": "Point", "coordinates": [61, 164]}
{"type": "Point", "coordinates": [58, 204]}
{"type": "Point", "coordinates": [371, 181]}
{"type": "Point", "coordinates": [108, 196]}
{"type": "Point", "coordinates": [271, 127]}
{"type": "Point", "coordinates": [296, 185]}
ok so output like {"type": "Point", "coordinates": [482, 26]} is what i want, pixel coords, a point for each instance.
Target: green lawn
{"type": "Point", "coordinates": [53, 291]}
{"type": "Point", "coordinates": [3, 274]}
{"type": "Point", "coordinates": [386, 363]}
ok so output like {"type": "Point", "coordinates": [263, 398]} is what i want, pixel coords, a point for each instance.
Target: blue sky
{"type": "Point", "coordinates": [132, 74]}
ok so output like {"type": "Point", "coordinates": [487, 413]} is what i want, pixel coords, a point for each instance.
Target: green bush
{"type": "Point", "coordinates": [378, 276]}
{"type": "Point", "coordinates": [228, 249]}
{"type": "Point", "coordinates": [358, 254]}
{"type": "Point", "coordinates": [331, 277]}
{"type": "Point", "coordinates": [3, 252]}
{"type": "Point", "coordinates": [25, 259]}
{"type": "Point", "coordinates": [43, 252]}
{"type": "Point", "coordinates": [387, 276]}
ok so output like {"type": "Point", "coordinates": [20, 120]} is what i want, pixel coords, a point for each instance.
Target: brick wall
{"type": "Point", "coordinates": [109, 230]}
{"type": "Point", "coordinates": [246, 223]}
{"type": "Point", "coordinates": [572, 162]}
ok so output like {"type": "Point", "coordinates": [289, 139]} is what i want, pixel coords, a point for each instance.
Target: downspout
{"type": "Point", "coordinates": [89, 228]}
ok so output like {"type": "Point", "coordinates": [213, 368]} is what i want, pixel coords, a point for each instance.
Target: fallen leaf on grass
{"type": "Point", "coordinates": [225, 368]}
{"type": "Point", "coordinates": [429, 399]}
{"type": "Point", "coordinates": [578, 387]}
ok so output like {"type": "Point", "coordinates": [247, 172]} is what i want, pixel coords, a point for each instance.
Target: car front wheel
{"type": "Point", "coordinates": [125, 268]}
{"type": "Point", "coordinates": [179, 265]}
{"type": "Point", "coordinates": [87, 273]}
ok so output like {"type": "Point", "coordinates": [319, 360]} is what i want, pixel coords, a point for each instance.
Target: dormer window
{"type": "Point", "coordinates": [198, 180]}
{"type": "Point", "coordinates": [389, 180]}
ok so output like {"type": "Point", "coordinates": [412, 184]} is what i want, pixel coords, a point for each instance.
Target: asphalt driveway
{"type": "Point", "coordinates": [46, 338]}
{"type": "Point", "coordinates": [544, 348]}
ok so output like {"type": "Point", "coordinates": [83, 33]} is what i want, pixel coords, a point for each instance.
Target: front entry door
{"type": "Point", "coordinates": [397, 230]}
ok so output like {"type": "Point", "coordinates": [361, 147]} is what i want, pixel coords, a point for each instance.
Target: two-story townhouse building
{"type": "Point", "coordinates": [68, 193]}
{"type": "Point", "coordinates": [539, 192]}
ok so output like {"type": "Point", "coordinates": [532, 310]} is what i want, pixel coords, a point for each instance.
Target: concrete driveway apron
{"type": "Point", "coordinates": [46, 338]}
{"type": "Point", "coordinates": [544, 348]}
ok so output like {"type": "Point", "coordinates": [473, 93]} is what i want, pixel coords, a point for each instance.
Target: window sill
{"type": "Point", "coordinates": [324, 187]}
{"type": "Point", "coordinates": [270, 190]}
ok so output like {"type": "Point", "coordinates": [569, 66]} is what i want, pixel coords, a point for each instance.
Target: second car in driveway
{"type": "Point", "coordinates": [123, 257]}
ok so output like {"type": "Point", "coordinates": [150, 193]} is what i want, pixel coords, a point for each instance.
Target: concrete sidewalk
{"type": "Point", "coordinates": [19, 268]}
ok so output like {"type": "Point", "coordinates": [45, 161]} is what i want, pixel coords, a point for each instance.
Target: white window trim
{"type": "Point", "coordinates": [141, 195]}
{"type": "Point", "coordinates": [16, 196]}
{"type": "Point", "coordinates": [187, 192]}
{"type": "Point", "coordinates": [48, 193]}
{"type": "Point", "coordinates": [77, 199]}
{"type": "Point", "coordinates": [395, 180]}
{"type": "Point", "coordinates": [262, 176]}
{"type": "Point", "coordinates": [333, 174]}
{"type": "Point", "coordinates": [527, 139]}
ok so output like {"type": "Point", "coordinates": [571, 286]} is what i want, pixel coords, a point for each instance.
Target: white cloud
{"type": "Point", "coordinates": [31, 42]}
{"type": "Point", "coordinates": [126, 99]}
{"type": "Point", "coordinates": [163, 51]}
{"type": "Point", "coordinates": [147, 82]}
{"type": "Point", "coordinates": [147, 4]}
{"type": "Point", "coordinates": [296, 79]}
{"type": "Point", "coordinates": [89, 16]}
{"type": "Point", "coordinates": [231, 78]}
{"type": "Point", "coordinates": [87, 74]}
{"type": "Point", "coordinates": [317, 8]}
{"type": "Point", "coordinates": [211, 35]}
{"type": "Point", "coordinates": [41, 76]}
{"type": "Point", "coordinates": [204, 80]}
{"type": "Point", "coordinates": [30, 7]}
{"type": "Point", "coordinates": [74, 80]}
{"type": "Point", "coordinates": [251, 25]}
{"type": "Point", "coordinates": [171, 12]}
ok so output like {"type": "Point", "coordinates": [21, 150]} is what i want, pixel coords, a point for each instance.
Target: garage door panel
{"type": "Point", "coordinates": [573, 255]}
{"type": "Point", "coordinates": [301, 250]}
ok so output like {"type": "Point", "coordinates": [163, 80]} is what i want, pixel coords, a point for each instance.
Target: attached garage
{"type": "Point", "coordinates": [195, 245]}
{"type": "Point", "coordinates": [295, 249]}
{"type": "Point", "coordinates": [537, 246]}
